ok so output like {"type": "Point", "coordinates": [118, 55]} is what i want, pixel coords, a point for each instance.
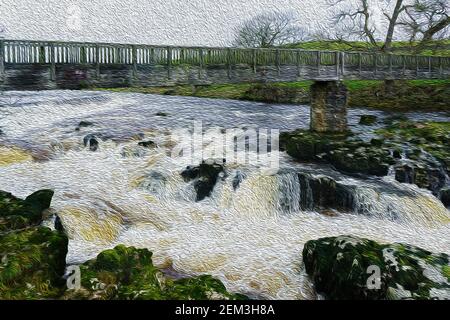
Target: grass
{"type": "Point", "coordinates": [429, 95]}
{"type": "Point", "coordinates": [437, 48]}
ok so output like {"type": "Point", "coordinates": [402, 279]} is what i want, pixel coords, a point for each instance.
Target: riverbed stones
{"type": "Point", "coordinates": [348, 267]}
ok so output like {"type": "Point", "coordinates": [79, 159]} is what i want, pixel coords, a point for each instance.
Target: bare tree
{"type": "Point", "coordinates": [357, 21]}
{"type": "Point", "coordinates": [427, 20]}
{"type": "Point", "coordinates": [268, 30]}
{"type": "Point", "coordinates": [420, 20]}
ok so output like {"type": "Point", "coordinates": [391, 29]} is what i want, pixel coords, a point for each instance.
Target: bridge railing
{"type": "Point", "coordinates": [48, 52]}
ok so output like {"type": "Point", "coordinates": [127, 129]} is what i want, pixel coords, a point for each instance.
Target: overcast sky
{"type": "Point", "coordinates": [177, 22]}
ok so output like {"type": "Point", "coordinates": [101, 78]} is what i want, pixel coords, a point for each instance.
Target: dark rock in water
{"type": "Point", "coordinates": [205, 176]}
{"type": "Point", "coordinates": [91, 141]}
{"type": "Point", "coordinates": [368, 120]}
{"type": "Point", "coordinates": [33, 264]}
{"type": "Point", "coordinates": [58, 224]}
{"type": "Point", "coordinates": [237, 180]}
{"type": "Point", "coordinates": [127, 273]}
{"type": "Point", "coordinates": [445, 196]}
{"type": "Point", "coordinates": [318, 193]}
{"type": "Point", "coordinates": [84, 124]}
{"type": "Point", "coordinates": [147, 144]}
{"type": "Point", "coordinates": [397, 154]}
{"type": "Point", "coordinates": [1, 132]}
{"type": "Point", "coordinates": [426, 176]}
{"type": "Point", "coordinates": [344, 268]}
{"type": "Point", "coordinates": [404, 173]}
{"type": "Point", "coordinates": [162, 114]}
{"type": "Point", "coordinates": [16, 213]}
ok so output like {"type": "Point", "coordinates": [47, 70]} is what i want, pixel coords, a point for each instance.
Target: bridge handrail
{"type": "Point", "coordinates": [67, 52]}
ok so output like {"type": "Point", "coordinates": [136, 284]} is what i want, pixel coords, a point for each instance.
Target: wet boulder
{"type": "Point", "coordinates": [204, 176]}
{"type": "Point", "coordinates": [352, 268]}
{"type": "Point", "coordinates": [324, 193]}
{"type": "Point", "coordinates": [147, 144]}
{"type": "Point", "coordinates": [32, 264]}
{"type": "Point", "coordinates": [127, 273]}
{"type": "Point", "coordinates": [344, 152]}
{"type": "Point", "coordinates": [91, 141]}
{"type": "Point", "coordinates": [84, 124]}
{"type": "Point", "coordinates": [367, 119]}
{"type": "Point", "coordinates": [445, 196]}
{"type": "Point", "coordinates": [425, 175]}
{"type": "Point", "coordinates": [16, 213]}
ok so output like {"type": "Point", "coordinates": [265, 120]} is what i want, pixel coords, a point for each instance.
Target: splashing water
{"type": "Point", "coordinates": [249, 233]}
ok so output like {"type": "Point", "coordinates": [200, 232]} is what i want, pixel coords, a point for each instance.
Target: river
{"type": "Point", "coordinates": [250, 237]}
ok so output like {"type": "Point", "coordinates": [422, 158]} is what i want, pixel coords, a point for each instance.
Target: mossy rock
{"type": "Point", "coordinates": [32, 264]}
{"type": "Point", "coordinates": [339, 267]}
{"type": "Point", "coordinates": [16, 213]}
{"type": "Point", "coordinates": [346, 153]}
{"type": "Point", "coordinates": [127, 273]}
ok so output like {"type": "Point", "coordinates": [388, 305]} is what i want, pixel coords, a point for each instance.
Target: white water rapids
{"type": "Point", "coordinates": [250, 238]}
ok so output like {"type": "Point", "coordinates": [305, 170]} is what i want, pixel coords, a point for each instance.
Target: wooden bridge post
{"type": "Point", "coordinates": [42, 54]}
{"type": "Point", "coordinates": [229, 63]}
{"type": "Point", "coordinates": [430, 71]}
{"type": "Point", "coordinates": [404, 64]}
{"type": "Point", "coordinates": [169, 63]}
{"type": "Point", "coordinates": [83, 58]}
{"type": "Point", "coordinates": [337, 57]}
{"type": "Point", "coordinates": [134, 59]}
{"type": "Point", "coordinates": [277, 60]}
{"type": "Point", "coordinates": [328, 106]}
{"type": "Point", "coordinates": [2, 59]}
{"type": "Point", "coordinates": [375, 64]}
{"type": "Point", "coordinates": [97, 61]}
{"type": "Point", "coordinates": [342, 64]}
{"type": "Point", "coordinates": [254, 60]}
{"type": "Point", "coordinates": [360, 63]}
{"type": "Point", "coordinates": [298, 63]}
{"type": "Point", "coordinates": [318, 55]}
{"type": "Point", "coordinates": [440, 67]}
{"type": "Point", "coordinates": [201, 62]}
{"type": "Point", "coordinates": [390, 64]}
{"type": "Point", "coordinates": [53, 63]}
{"type": "Point", "coordinates": [417, 66]}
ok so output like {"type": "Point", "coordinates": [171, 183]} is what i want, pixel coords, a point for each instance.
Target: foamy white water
{"type": "Point", "coordinates": [250, 237]}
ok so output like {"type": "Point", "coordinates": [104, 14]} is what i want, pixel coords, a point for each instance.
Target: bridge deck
{"type": "Point", "coordinates": [38, 63]}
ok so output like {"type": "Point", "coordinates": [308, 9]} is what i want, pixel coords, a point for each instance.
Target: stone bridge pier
{"type": "Point", "coordinates": [329, 106]}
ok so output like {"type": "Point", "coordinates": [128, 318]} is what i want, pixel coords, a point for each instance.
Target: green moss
{"type": "Point", "coordinates": [16, 213]}
{"type": "Point", "coordinates": [32, 264]}
{"type": "Point", "coordinates": [339, 269]}
{"type": "Point", "coordinates": [128, 273]}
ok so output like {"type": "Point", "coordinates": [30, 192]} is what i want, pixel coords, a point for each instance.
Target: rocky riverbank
{"type": "Point", "coordinates": [414, 152]}
{"type": "Point", "coordinates": [33, 263]}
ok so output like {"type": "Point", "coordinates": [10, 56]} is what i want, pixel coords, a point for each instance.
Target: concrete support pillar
{"type": "Point", "coordinates": [328, 106]}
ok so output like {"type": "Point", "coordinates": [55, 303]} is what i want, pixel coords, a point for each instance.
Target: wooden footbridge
{"type": "Point", "coordinates": [36, 65]}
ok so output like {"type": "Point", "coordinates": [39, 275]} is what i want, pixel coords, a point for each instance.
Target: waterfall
{"type": "Point", "coordinates": [249, 232]}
